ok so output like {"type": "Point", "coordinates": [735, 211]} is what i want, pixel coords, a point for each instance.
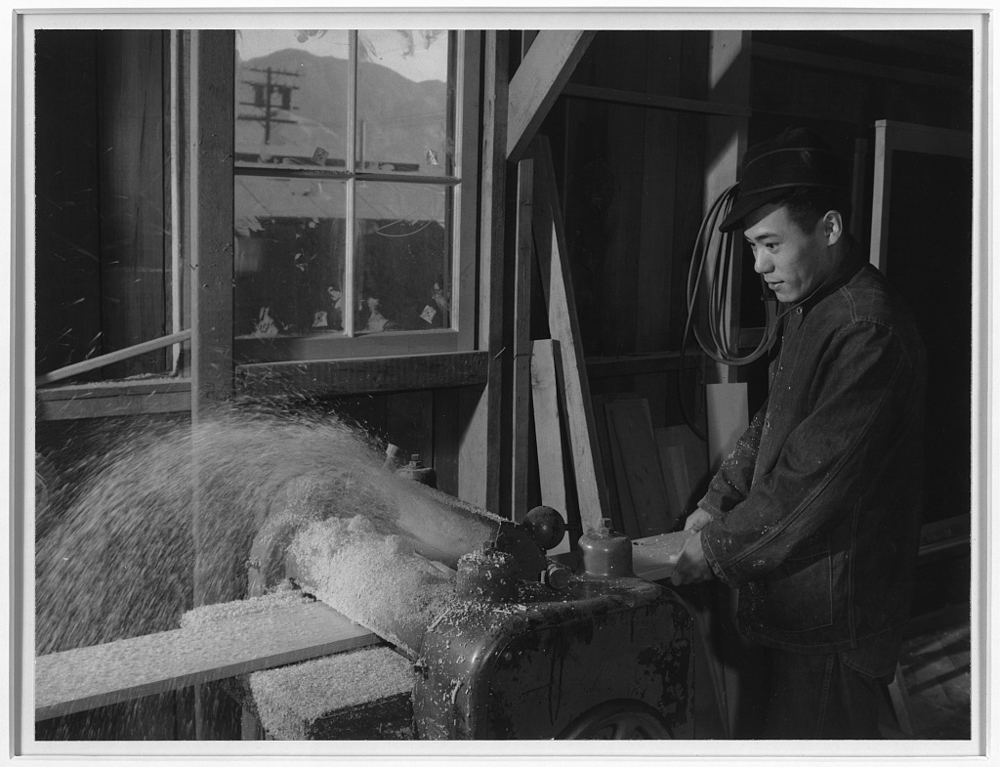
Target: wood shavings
{"type": "Point", "coordinates": [377, 580]}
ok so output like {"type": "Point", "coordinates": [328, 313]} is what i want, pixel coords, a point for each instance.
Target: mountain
{"type": "Point", "coordinates": [401, 122]}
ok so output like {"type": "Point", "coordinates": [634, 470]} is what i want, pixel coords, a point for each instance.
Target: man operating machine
{"type": "Point", "coordinates": [815, 515]}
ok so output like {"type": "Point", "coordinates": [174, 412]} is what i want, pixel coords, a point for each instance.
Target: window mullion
{"type": "Point", "coordinates": [350, 300]}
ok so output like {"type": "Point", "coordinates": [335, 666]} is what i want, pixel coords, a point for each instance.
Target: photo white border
{"type": "Point", "coordinates": [514, 15]}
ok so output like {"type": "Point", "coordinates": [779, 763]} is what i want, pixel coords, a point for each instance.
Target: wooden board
{"type": "Point", "coordinates": [521, 407]}
{"type": "Point", "coordinates": [557, 284]}
{"type": "Point", "coordinates": [489, 429]}
{"type": "Point", "coordinates": [90, 677]}
{"type": "Point", "coordinates": [641, 490]}
{"type": "Point", "coordinates": [548, 432]}
{"type": "Point", "coordinates": [613, 510]}
{"type": "Point", "coordinates": [728, 418]}
{"type": "Point", "coordinates": [684, 459]}
{"type": "Point", "coordinates": [371, 375]}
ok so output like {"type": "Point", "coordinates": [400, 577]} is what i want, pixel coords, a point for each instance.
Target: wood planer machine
{"type": "Point", "coordinates": [479, 634]}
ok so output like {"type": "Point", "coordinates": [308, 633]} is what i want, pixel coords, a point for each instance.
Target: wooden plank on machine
{"type": "Point", "coordinates": [640, 480]}
{"type": "Point", "coordinates": [655, 556]}
{"type": "Point", "coordinates": [557, 284]}
{"type": "Point", "coordinates": [91, 677]}
{"type": "Point", "coordinates": [548, 433]}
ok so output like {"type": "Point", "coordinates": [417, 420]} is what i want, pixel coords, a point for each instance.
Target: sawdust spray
{"type": "Point", "coordinates": [120, 561]}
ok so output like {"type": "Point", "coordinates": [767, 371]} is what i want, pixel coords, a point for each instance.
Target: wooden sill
{"type": "Point", "coordinates": [372, 375]}
{"type": "Point", "coordinates": [642, 364]}
{"type": "Point", "coordinates": [113, 398]}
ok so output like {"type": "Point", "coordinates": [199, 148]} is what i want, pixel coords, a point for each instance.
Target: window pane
{"type": "Point", "coordinates": [291, 97]}
{"type": "Point", "coordinates": [406, 101]}
{"type": "Point", "coordinates": [289, 256]}
{"type": "Point", "coordinates": [403, 252]}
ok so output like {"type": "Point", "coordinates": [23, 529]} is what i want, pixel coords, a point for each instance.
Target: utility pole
{"type": "Point", "coordinates": [264, 94]}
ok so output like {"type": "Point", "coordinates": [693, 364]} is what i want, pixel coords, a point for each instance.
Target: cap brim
{"type": "Point", "coordinates": [744, 206]}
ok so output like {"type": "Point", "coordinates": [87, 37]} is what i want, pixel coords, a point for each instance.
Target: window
{"type": "Point", "coordinates": [354, 193]}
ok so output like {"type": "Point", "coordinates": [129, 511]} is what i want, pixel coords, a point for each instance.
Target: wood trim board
{"type": "Point", "coordinates": [364, 375]}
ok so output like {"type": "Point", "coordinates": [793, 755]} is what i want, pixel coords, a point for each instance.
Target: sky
{"type": "Point", "coordinates": [386, 46]}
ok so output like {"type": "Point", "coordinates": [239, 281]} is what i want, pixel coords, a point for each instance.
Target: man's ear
{"type": "Point", "coordinates": [833, 227]}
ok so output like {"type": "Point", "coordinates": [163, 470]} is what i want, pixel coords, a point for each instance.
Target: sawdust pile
{"type": "Point", "coordinates": [378, 580]}
{"type": "Point", "coordinates": [289, 699]}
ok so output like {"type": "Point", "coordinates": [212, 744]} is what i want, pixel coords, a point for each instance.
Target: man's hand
{"type": "Point", "coordinates": [692, 566]}
{"type": "Point", "coordinates": [697, 520]}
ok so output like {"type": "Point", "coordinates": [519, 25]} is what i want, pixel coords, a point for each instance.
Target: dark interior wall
{"type": "Point", "coordinates": [67, 250]}
{"type": "Point", "coordinates": [841, 85]}
{"type": "Point", "coordinates": [632, 180]}
{"type": "Point", "coordinates": [632, 186]}
{"type": "Point", "coordinates": [102, 220]}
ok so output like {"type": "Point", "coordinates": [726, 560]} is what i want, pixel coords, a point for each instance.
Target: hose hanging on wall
{"type": "Point", "coordinates": [712, 263]}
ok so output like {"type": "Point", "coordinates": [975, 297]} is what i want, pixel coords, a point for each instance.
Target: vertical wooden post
{"type": "Point", "coordinates": [729, 82]}
{"type": "Point", "coordinates": [524, 270]}
{"type": "Point", "coordinates": [211, 218]}
{"type": "Point", "coordinates": [210, 250]}
{"type": "Point", "coordinates": [485, 431]}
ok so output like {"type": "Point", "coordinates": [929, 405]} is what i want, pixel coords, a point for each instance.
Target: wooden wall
{"type": "Point", "coordinates": [632, 180]}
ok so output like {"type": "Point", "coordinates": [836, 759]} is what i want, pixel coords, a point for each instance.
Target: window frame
{"type": "Point", "coordinates": [461, 337]}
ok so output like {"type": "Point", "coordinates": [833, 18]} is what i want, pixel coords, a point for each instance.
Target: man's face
{"type": "Point", "coordinates": [792, 262]}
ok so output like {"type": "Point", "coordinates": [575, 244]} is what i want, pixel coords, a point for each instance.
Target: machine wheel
{"type": "Point", "coordinates": [618, 720]}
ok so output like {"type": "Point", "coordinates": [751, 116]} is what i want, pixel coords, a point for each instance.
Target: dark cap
{"type": "Point", "coordinates": [796, 158]}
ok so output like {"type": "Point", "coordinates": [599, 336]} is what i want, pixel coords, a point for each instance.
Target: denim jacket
{"type": "Point", "coordinates": [816, 510]}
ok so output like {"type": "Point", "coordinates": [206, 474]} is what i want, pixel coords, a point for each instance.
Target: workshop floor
{"type": "Point", "coordinates": [937, 678]}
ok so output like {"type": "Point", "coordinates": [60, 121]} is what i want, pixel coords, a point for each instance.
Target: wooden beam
{"type": "Point", "coordinates": [729, 80]}
{"type": "Point", "coordinates": [210, 154]}
{"type": "Point", "coordinates": [113, 398]}
{"type": "Point", "coordinates": [641, 364]}
{"type": "Point", "coordinates": [854, 66]}
{"type": "Point", "coordinates": [564, 327]}
{"type": "Point", "coordinates": [492, 260]}
{"type": "Point", "coordinates": [91, 677]}
{"type": "Point", "coordinates": [371, 375]}
{"type": "Point", "coordinates": [524, 268]}
{"type": "Point", "coordinates": [210, 216]}
{"type": "Point", "coordinates": [654, 101]}
{"type": "Point", "coordinates": [543, 72]}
